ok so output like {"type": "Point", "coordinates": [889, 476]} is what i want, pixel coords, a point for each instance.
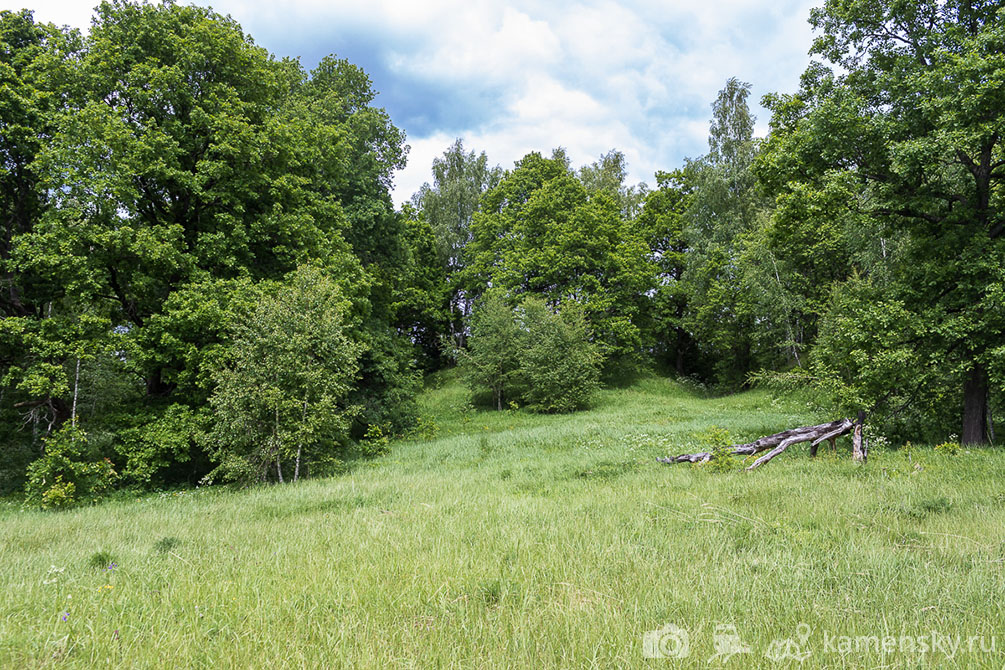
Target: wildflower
{"type": "Point", "coordinates": [112, 566]}
{"type": "Point", "coordinates": [66, 615]}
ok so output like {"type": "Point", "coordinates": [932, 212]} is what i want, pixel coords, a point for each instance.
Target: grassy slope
{"type": "Point", "coordinates": [514, 540]}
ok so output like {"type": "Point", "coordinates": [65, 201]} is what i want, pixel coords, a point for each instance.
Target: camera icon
{"type": "Point", "coordinates": [670, 641]}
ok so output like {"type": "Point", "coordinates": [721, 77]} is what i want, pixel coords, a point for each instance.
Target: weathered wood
{"type": "Point", "coordinates": [776, 443]}
{"type": "Point", "coordinates": [858, 446]}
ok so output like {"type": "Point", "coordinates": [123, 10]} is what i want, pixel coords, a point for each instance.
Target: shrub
{"type": "Point", "coordinates": [950, 448]}
{"type": "Point", "coordinates": [559, 365]}
{"type": "Point", "coordinates": [66, 474]}
{"type": "Point", "coordinates": [531, 355]}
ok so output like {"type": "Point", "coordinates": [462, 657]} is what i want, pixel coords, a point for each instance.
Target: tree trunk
{"type": "Point", "coordinates": [300, 446]}
{"type": "Point", "coordinates": [777, 443]}
{"type": "Point", "coordinates": [76, 387]}
{"type": "Point", "coordinates": [858, 444]}
{"type": "Point", "coordinates": [975, 407]}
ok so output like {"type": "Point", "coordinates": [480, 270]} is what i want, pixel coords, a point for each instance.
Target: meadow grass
{"type": "Point", "coordinates": [511, 540]}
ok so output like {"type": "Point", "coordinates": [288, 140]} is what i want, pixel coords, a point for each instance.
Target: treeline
{"type": "Point", "coordinates": [204, 277]}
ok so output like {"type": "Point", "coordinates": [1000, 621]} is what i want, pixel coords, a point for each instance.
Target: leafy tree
{"type": "Point", "coordinates": [723, 215]}
{"type": "Point", "coordinates": [607, 175]}
{"type": "Point", "coordinates": [38, 324]}
{"type": "Point", "coordinates": [540, 233]}
{"type": "Point", "coordinates": [910, 122]}
{"type": "Point", "coordinates": [559, 365]}
{"type": "Point", "coordinates": [492, 359]}
{"type": "Point", "coordinates": [164, 165]}
{"type": "Point", "coordinates": [448, 205]}
{"type": "Point", "coordinates": [531, 354]}
{"type": "Point", "coordinates": [422, 297]}
{"type": "Point", "coordinates": [282, 396]}
{"type": "Point", "coordinates": [36, 85]}
{"type": "Point", "coordinates": [661, 224]}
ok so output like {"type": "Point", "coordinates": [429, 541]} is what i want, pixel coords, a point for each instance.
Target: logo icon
{"type": "Point", "coordinates": [788, 649]}
{"type": "Point", "coordinates": [670, 641]}
{"type": "Point", "coordinates": [727, 643]}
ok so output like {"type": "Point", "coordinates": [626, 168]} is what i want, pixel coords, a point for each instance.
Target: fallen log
{"type": "Point", "coordinates": [779, 442]}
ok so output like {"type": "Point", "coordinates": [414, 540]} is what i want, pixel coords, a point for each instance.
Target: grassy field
{"type": "Point", "coordinates": [510, 540]}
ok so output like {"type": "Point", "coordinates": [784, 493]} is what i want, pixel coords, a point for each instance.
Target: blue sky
{"type": "Point", "coordinates": [519, 76]}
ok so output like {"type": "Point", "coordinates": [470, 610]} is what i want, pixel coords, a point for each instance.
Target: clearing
{"type": "Point", "coordinates": [514, 540]}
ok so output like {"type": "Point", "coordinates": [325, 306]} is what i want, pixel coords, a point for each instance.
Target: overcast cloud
{"type": "Point", "coordinates": [523, 76]}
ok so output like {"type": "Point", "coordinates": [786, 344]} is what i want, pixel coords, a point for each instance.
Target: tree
{"type": "Point", "coordinates": [448, 205]}
{"type": "Point", "coordinates": [36, 62]}
{"type": "Point", "coordinates": [491, 361]}
{"type": "Point", "coordinates": [559, 365]}
{"type": "Point", "coordinates": [422, 297]}
{"type": "Point", "coordinates": [39, 326]}
{"type": "Point", "coordinates": [283, 395]}
{"type": "Point", "coordinates": [607, 175]}
{"type": "Point", "coordinates": [911, 121]}
{"type": "Point", "coordinates": [722, 223]}
{"type": "Point", "coordinates": [168, 166]}
{"type": "Point", "coordinates": [531, 354]}
{"type": "Point", "coordinates": [661, 224]}
{"type": "Point", "coordinates": [540, 233]}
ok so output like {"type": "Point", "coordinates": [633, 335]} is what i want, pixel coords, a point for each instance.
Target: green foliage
{"type": "Point", "coordinates": [491, 362]}
{"type": "Point", "coordinates": [661, 224]}
{"type": "Point", "coordinates": [714, 437]}
{"type": "Point", "coordinates": [540, 232]}
{"type": "Point", "coordinates": [950, 448]}
{"type": "Point", "coordinates": [283, 394]}
{"type": "Point", "coordinates": [899, 123]}
{"type": "Point", "coordinates": [531, 355]}
{"type": "Point", "coordinates": [158, 176]}
{"type": "Point", "coordinates": [67, 474]}
{"type": "Point", "coordinates": [559, 365]}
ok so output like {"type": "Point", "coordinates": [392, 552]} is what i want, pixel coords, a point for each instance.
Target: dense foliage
{"type": "Point", "coordinates": [204, 276]}
{"type": "Point", "coordinates": [529, 354]}
{"type": "Point", "coordinates": [164, 176]}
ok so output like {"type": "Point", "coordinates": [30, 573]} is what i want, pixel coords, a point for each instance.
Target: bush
{"type": "Point", "coordinates": [531, 355]}
{"type": "Point", "coordinates": [559, 366]}
{"type": "Point", "coordinates": [67, 475]}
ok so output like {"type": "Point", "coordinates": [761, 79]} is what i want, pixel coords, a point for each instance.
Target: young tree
{"type": "Point", "coordinates": [492, 360]}
{"type": "Point", "coordinates": [531, 354]}
{"type": "Point", "coordinates": [559, 365]}
{"type": "Point", "coordinates": [283, 396]}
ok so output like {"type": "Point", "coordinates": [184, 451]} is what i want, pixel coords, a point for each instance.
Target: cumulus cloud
{"type": "Point", "coordinates": [517, 76]}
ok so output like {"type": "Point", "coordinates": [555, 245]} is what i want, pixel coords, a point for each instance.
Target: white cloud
{"type": "Point", "coordinates": [589, 75]}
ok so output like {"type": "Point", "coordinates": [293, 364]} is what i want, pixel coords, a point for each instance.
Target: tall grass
{"type": "Point", "coordinates": [512, 540]}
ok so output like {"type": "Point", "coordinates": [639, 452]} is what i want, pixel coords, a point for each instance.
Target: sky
{"type": "Point", "coordinates": [523, 75]}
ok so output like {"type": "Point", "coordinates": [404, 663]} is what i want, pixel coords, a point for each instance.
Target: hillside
{"type": "Point", "coordinates": [516, 540]}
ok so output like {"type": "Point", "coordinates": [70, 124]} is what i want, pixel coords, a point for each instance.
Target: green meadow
{"type": "Point", "coordinates": [513, 540]}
